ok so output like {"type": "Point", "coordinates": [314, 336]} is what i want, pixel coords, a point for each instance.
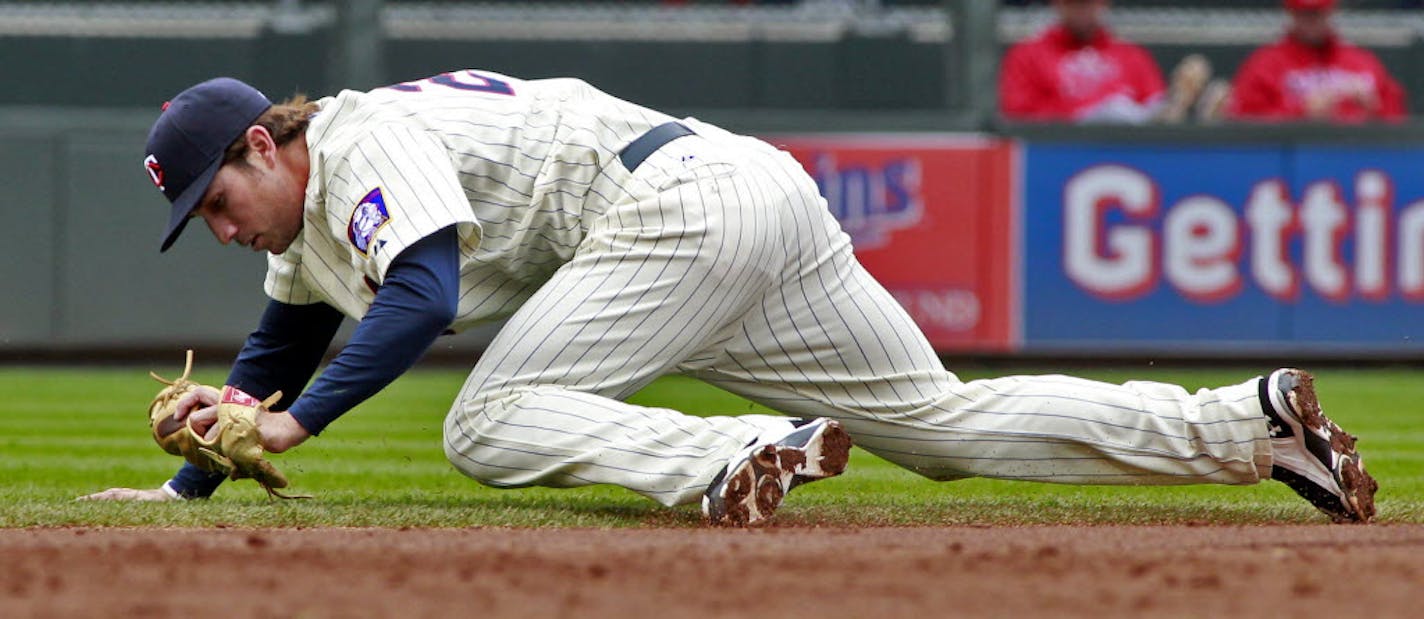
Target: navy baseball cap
{"type": "Point", "coordinates": [187, 142]}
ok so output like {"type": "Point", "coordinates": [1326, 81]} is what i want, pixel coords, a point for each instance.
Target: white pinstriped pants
{"type": "Point", "coordinates": [722, 263]}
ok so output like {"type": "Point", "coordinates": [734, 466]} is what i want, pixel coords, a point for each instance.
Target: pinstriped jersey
{"type": "Point", "coordinates": [514, 164]}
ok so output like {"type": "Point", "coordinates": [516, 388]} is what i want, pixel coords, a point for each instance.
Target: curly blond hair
{"type": "Point", "coordinates": [285, 121]}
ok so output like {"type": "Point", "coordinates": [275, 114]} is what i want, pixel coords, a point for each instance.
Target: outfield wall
{"type": "Point", "coordinates": [81, 232]}
{"type": "Point", "coordinates": [1085, 244]}
{"type": "Point", "coordinates": [1023, 241]}
{"type": "Point", "coordinates": [1207, 248]}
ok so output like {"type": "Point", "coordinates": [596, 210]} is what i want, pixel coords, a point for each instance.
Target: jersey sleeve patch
{"type": "Point", "coordinates": [368, 218]}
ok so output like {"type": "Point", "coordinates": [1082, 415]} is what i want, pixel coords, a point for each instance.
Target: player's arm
{"type": "Point", "coordinates": [414, 203]}
{"type": "Point", "coordinates": [281, 355]}
{"type": "Point", "coordinates": [416, 302]}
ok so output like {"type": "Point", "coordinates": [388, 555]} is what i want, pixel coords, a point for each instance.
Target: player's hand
{"type": "Point", "coordinates": [128, 494]}
{"type": "Point", "coordinates": [280, 431]}
{"type": "Point", "coordinates": [202, 404]}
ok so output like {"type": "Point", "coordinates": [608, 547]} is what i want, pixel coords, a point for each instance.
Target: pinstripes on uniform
{"type": "Point", "coordinates": [514, 171]}
{"type": "Point", "coordinates": [716, 258]}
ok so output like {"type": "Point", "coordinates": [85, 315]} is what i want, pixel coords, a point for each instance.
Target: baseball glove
{"type": "Point", "coordinates": [235, 449]}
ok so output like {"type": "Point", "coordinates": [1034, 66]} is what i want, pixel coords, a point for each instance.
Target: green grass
{"type": "Point", "coordinates": [68, 432]}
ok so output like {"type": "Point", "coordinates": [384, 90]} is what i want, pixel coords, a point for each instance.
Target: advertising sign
{"type": "Point", "coordinates": [931, 218]}
{"type": "Point", "coordinates": [1255, 248]}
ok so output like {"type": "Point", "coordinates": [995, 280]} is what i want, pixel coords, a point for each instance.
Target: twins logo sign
{"type": "Point", "coordinates": [366, 220]}
{"type": "Point", "coordinates": [929, 217]}
{"type": "Point", "coordinates": [870, 201]}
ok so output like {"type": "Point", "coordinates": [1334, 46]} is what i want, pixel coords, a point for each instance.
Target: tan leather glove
{"type": "Point", "coordinates": [235, 448]}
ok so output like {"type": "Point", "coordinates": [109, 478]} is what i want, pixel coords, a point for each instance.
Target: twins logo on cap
{"type": "Point", "coordinates": [155, 171]}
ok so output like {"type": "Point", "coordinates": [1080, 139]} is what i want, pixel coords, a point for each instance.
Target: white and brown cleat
{"type": "Point", "coordinates": [751, 487]}
{"type": "Point", "coordinates": [1313, 455]}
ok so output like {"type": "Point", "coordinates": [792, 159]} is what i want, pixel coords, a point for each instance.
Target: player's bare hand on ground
{"type": "Point", "coordinates": [128, 494]}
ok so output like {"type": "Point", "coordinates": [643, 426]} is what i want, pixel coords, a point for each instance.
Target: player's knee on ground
{"type": "Point", "coordinates": [473, 442]}
{"type": "Point", "coordinates": [525, 435]}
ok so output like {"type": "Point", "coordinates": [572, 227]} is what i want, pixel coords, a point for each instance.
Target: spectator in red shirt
{"type": "Point", "coordinates": [1312, 73]}
{"type": "Point", "coordinates": [1078, 71]}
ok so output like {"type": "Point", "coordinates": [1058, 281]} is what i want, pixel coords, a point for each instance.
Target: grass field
{"type": "Point", "coordinates": [68, 432]}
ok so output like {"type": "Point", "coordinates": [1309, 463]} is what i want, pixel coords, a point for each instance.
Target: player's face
{"type": "Point", "coordinates": [258, 205]}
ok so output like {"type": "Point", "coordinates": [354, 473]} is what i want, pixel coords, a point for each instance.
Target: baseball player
{"type": "Point", "coordinates": [623, 244]}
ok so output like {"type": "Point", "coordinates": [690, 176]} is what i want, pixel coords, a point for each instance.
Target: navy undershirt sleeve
{"type": "Point", "coordinates": [285, 350]}
{"type": "Point", "coordinates": [282, 353]}
{"type": "Point", "coordinates": [414, 305]}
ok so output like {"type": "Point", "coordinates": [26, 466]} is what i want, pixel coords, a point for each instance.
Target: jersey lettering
{"type": "Point", "coordinates": [464, 80]}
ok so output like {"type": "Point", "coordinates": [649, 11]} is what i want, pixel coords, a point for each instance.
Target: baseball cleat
{"type": "Point", "coordinates": [1313, 455]}
{"type": "Point", "coordinates": [750, 488]}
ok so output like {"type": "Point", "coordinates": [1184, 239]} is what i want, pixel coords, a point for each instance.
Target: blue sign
{"type": "Point", "coordinates": [1229, 248]}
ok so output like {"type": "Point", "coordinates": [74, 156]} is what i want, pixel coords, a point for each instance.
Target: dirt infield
{"type": "Point", "coordinates": [877, 572]}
